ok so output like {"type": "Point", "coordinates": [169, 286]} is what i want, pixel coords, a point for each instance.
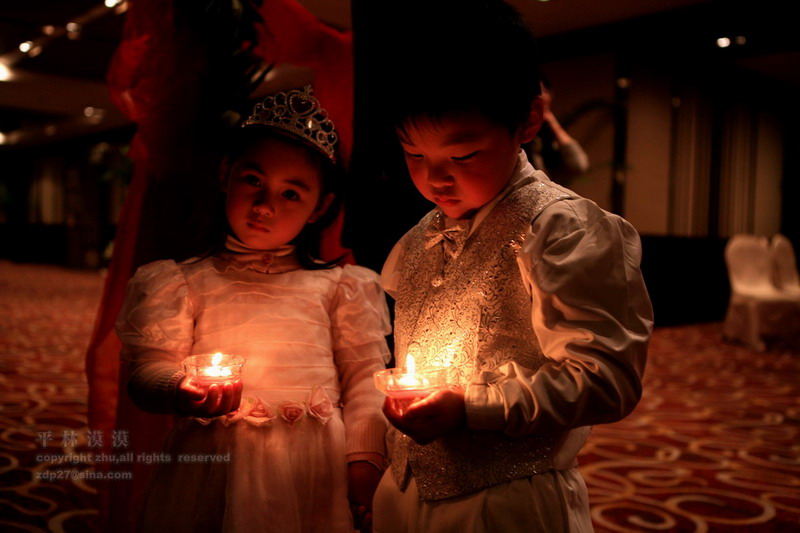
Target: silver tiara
{"type": "Point", "coordinates": [298, 112]}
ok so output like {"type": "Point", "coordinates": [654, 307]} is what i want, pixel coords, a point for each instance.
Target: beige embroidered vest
{"type": "Point", "coordinates": [470, 313]}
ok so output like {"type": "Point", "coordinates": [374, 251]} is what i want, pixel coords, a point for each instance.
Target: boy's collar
{"type": "Point", "coordinates": [520, 176]}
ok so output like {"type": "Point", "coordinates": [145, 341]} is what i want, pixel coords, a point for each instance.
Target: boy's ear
{"type": "Point", "coordinates": [224, 171]}
{"type": "Point", "coordinates": [531, 126]}
{"type": "Point", "coordinates": [323, 205]}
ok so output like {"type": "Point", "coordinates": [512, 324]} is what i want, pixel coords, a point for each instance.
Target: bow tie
{"type": "Point", "coordinates": [452, 237]}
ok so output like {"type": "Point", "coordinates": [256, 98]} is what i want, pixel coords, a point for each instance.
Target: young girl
{"type": "Point", "coordinates": [309, 425]}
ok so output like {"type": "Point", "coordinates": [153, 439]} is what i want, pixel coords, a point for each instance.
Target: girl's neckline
{"type": "Point", "coordinates": [241, 257]}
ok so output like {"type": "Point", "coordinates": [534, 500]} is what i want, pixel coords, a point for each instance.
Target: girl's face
{"type": "Point", "coordinates": [273, 190]}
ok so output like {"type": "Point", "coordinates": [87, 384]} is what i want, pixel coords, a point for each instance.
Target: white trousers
{"type": "Point", "coordinates": [553, 502]}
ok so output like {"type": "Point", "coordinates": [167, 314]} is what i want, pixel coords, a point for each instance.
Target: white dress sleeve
{"type": "Point", "coordinates": [156, 328]}
{"type": "Point", "coordinates": [593, 318]}
{"type": "Point", "coordinates": [573, 158]}
{"type": "Point", "coordinates": [390, 273]}
{"type": "Point", "coordinates": [360, 324]}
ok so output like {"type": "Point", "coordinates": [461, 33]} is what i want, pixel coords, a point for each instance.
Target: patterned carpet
{"type": "Point", "coordinates": [46, 319]}
{"type": "Point", "coordinates": [713, 446]}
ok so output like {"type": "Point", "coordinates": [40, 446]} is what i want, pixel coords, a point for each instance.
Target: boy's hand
{"type": "Point", "coordinates": [363, 478]}
{"type": "Point", "coordinates": [426, 420]}
{"type": "Point", "coordinates": [194, 399]}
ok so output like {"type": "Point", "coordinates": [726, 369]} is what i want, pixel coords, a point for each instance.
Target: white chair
{"type": "Point", "coordinates": [757, 308]}
{"type": "Point", "coordinates": [784, 263]}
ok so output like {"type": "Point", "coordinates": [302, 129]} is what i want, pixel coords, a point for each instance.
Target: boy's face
{"type": "Point", "coordinates": [273, 190]}
{"type": "Point", "coordinates": [461, 163]}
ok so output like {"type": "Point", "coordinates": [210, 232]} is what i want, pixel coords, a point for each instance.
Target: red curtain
{"type": "Point", "coordinates": [156, 78]}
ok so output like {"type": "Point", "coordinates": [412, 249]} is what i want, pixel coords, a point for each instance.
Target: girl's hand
{"type": "Point", "coordinates": [194, 399]}
{"type": "Point", "coordinates": [363, 478]}
{"type": "Point", "coordinates": [426, 420]}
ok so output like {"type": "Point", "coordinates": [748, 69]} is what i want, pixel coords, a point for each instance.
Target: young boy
{"type": "Point", "coordinates": [529, 295]}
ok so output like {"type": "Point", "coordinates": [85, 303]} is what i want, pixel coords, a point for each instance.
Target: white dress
{"type": "Point", "coordinates": [312, 340]}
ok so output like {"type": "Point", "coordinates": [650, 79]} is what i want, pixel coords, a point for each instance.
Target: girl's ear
{"type": "Point", "coordinates": [323, 205]}
{"type": "Point", "coordinates": [528, 130]}
{"type": "Point", "coordinates": [224, 172]}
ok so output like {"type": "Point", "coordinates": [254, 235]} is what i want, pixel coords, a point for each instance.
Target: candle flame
{"type": "Point", "coordinates": [215, 370]}
{"type": "Point", "coordinates": [409, 377]}
{"type": "Point", "coordinates": [411, 365]}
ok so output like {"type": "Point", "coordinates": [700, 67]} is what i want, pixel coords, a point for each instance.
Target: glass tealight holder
{"type": "Point", "coordinates": [405, 387]}
{"type": "Point", "coordinates": [218, 368]}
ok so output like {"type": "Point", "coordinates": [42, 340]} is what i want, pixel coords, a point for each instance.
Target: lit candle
{"type": "Point", "coordinates": [409, 378]}
{"type": "Point", "coordinates": [406, 386]}
{"type": "Point", "coordinates": [217, 369]}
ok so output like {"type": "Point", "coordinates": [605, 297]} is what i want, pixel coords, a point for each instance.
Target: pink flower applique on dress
{"type": "Point", "coordinates": [244, 409]}
{"type": "Point", "coordinates": [319, 405]}
{"type": "Point", "coordinates": [260, 414]}
{"type": "Point", "coordinates": [292, 412]}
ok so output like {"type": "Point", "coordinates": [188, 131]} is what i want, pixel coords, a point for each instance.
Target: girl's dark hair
{"type": "Point", "coordinates": [307, 243]}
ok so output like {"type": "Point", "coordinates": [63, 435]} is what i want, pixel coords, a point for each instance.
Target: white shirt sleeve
{"type": "Point", "coordinates": [573, 157]}
{"type": "Point", "coordinates": [390, 273]}
{"type": "Point", "coordinates": [593, 318]}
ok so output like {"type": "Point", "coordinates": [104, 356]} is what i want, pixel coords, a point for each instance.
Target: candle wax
{"type": "Point", "coordinates": [403, 398]}
{"type": "Point", "coordinates": [219, 375]}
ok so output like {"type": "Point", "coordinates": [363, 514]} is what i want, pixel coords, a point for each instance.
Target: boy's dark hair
{"type": "Point", "coordinates": [462, 56]}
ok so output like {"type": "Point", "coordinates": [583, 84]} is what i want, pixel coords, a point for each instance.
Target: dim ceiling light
{"type": "Point", "coordinates": [50, 32]}
{"type": "Point", "coordinates": [90, 111]}
{"type": "Point", "coordinates": [725, 42]}
{"type": "Point", "coordinates": [5, 72]}
{"type": "Point", "coordinates": [11, 137]}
